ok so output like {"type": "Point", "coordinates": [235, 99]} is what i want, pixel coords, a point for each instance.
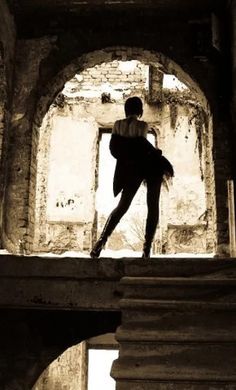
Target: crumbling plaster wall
{"type": "Point", "coordinates": [188, 222]}
{"type": "Point", "coordinates": [46, 74]}
{"type": "Point", "coordinates": [65, 181]}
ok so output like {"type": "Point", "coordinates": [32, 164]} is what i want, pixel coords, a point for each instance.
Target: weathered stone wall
{"type": "Point", "coordinates": [209, 174]}
{"type": "Point", "coordinates": [21, 161]}
{"type": "Point", "coordinates": [7, 60]}
{"type": "Point", "coordinates": [223, 172]}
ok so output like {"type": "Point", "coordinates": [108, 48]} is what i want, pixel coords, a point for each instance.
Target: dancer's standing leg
{"type": "Point", "coordinates": [127, 196]}
{"type": "Point", "coordinates": [153, 197]}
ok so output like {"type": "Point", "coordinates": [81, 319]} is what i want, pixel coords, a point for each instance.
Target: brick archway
{"type": "Point", "coordinates": [97, 57]}
{"type": "Point", "coordinates": [47, 93]}
{"type": "Point", "coordinates": [110, 54]}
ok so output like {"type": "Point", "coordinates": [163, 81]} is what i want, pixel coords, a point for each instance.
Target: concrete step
{"type": "Point", "coordinates": [167, 352]}
{"type": "Point", "coordinates": [149, 332]}
{"type": "Point", "coordinates": [180, 288]}
{"type": "Point", "coordinates": [176, 305]}
{"type": "Point", "coordinates": [204, 268]}
{"type": "Point", "coordinates": [174, 365]}
{"type": "Point", "coordinates": [132, 384]}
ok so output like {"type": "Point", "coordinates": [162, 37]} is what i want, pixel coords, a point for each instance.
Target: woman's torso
{"type": "Point", "coordinates": [130, 127]}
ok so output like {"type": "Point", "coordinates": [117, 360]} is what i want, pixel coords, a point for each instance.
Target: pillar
{"type": "Point", "coordinates": [178, 328]}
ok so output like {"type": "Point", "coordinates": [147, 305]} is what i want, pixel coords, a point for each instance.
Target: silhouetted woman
{"type": "Point", "coordinates": [137, 160]}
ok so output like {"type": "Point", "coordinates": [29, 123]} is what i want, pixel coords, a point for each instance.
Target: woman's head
{"type": "Point", "coordinates": [134, 106]}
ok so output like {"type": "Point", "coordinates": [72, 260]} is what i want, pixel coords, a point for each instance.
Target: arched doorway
{"type": "Point", "coordinates": [189, 112]}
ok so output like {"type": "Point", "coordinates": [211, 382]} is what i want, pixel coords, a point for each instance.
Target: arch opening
{"type": "Point", "coordinates": [90, 102]}
{"type": "Point", "coordinates": [84, 366]}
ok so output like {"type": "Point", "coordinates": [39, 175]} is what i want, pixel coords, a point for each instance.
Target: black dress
{"type": "Point", "coordinates": [136, 157]}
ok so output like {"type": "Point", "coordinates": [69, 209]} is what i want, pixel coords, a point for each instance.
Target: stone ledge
{"type": "Point", "coordinates": [82, 283]}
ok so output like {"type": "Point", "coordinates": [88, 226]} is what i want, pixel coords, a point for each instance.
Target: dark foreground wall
{"type": "Point", "coordinates": [31, 339]}
{"type": "Point", "coordinates": [175, 314]}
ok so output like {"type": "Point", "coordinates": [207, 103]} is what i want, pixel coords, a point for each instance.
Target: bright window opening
{"type": "Point", "coordinates": [99, 367]}
{"type": "Point", "coordinates": [171, 82]}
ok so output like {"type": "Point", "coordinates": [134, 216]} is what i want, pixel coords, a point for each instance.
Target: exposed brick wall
{"type": "Point", "coordinates": [120, 79]}
{"type": "Point", "coordinates": [56, 83]}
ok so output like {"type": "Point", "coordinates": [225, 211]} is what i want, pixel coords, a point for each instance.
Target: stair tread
{"type": "Point", "coordinates": [139, 303]}
{"type": "Point", "coordinates": [147, 334]}
{"type": "Point", "coordinates": [156, 280]}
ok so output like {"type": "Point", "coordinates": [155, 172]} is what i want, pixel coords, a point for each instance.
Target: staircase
{"type": "Point", "coordinates": [178, 327]}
